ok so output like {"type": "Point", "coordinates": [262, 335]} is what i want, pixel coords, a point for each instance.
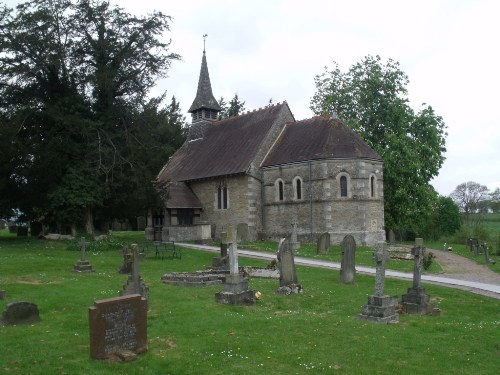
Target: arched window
{"type": "Point", "coordinates": [297, 184]}
{"type": "Point", "coordinates": [222, 196]}
{"type": "Point", "coordinates": [343, 186]}
{"type": "Point", "coordinates": [279, 190]}
{"type": "Point", "coordinates": [372, 186]}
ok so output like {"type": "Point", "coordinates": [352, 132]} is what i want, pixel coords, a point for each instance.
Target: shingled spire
{"type": "Point", "coordinates": [205, 106]}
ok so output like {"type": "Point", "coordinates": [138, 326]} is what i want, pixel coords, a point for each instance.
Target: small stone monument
{"type": "Point", "coordinates": [20, 312]}
{"type": "Point", "coordinates": [83, 265]}
{"type": "Point", "coordinates": [294, 243]}
{"type": "Point", "coordinates": [487, 258]}
{"type": "Point", "coordinates": [392, 237]}
{"type": "Point", "coordinates": [242, 234]}
{"type": "Point", "coordinates": [222, 261]}
{"type": "Point", "coordinates": [289, 283]}
{"type": "Point", "coordinates": [235, 291]}
{"type": "Point", "coordinates": [416, 301]}
{"type": "Point", "coordinates": [134, 283]}
{"type": "Point", "coordinates": [118, 327]}
{"type": "Point", "coordinates": [347, 264]}
{"type": "Point", "coordinates": [126, 267]}
{"type": "Point", "coordinates": [380, 308]}
{"type": "Point", "coordinates": [323, 243]}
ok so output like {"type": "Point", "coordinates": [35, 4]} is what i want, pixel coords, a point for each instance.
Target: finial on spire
{"type": "Point", "coordinates": [204, 38]}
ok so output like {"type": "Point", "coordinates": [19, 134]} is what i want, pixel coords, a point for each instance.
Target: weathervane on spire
{"type": "Point", "coordinates": [204, 38]}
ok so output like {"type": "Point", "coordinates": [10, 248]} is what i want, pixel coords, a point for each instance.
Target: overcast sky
{"type": "Point", "coordinates": [265, 49]}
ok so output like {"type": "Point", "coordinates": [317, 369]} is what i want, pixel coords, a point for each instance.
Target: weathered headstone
{"type": "Point", "coordinates": [20, 312]}
{"type": "Point", "coordinates": [134, 283]}
{"type": "Point", "coordinates": [380, 308]}
{"type": "Point", "coordinates": [126, 267]}
{"type": "Point", "coordinates": [348, 262]}
{"type": "Point", "coordinates": [289, 283]}
{"type": "Point", "coordinates": [487, 254]}
{"type": "Point", "coordinates": [3, 293]}
{"type": "Point", "coordinates": [392, 237]}
{"type": "Point", "coordinates": [36, 228]}
{"type": "Point", "coordinates": [83, 265]}
{"type": "Point", "coordinates": [242, 234]}
{"type": "Point", "coordinates": [294, 243]}
{"type": "Point", "coordinates": [118, 327]}
{"type": "Point", "coordinates": [141, 223]}
{"type": "Point", "coordinates": [235, 291]}
{"type": "Point", "coordinates": [323, 244]}
{"type": "Point", "coordinates": [416, 301]}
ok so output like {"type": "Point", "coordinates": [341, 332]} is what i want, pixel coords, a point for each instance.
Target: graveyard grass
{"type": "Point", "coordinates": [189, 333]}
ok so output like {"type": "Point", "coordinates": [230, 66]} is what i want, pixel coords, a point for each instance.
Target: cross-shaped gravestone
{"type": "Point", "coordinates": [83, 243]}
{"type": "Point", "coordinates": [380, 257]}
{"type": "Point", "coordinates": [418, 252]}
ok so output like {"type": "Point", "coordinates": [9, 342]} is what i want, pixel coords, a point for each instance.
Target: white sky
{"type": "Point", "coordinates": [264, 49]}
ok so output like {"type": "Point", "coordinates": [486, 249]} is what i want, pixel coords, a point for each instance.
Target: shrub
{"type": "Point", "coordinates": [427, 260]}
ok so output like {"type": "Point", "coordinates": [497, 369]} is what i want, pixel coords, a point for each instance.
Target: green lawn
{"type": "Point", "coordinates": [313, 332]}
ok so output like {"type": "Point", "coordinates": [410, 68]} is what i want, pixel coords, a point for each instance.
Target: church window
{"type": "Point", "coordinates": [297, 183]}
{"type": "Point", "coordinates": [344, 181]}
{"type": "Point", "coordinates": [222, 197]}
{"type": "Point", "coordinates": [279, 190]}
{"type": "Point", "coordinates": [373, 186]}
{"type": "Point", "coordinates": [343, 186]}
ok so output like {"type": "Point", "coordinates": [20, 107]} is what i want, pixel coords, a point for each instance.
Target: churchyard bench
{"type": "Point", "coordinates": [161, 249]}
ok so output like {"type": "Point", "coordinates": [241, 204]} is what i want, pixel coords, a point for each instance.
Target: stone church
{"type": "Point", "coordinates": [262, 172]}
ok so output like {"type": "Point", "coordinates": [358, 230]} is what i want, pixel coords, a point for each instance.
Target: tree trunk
{"type": "Point", "coordinates": [89, 221]}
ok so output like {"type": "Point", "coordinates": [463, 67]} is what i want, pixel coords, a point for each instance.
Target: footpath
{"type": "Point", "coordinates": [459, 272]}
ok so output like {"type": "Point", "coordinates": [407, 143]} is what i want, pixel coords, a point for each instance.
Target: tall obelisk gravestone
{"type": "Point", "coordinates": [380, 308]}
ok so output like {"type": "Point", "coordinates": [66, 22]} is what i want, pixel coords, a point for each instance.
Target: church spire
{"type": "Point", "coordinates": [205, 106]}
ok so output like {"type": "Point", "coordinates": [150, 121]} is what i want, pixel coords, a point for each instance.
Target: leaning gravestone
{"type": "Point", "coordinates": [323, 243]}
{"type": "Point", "coordinates": [83, 265]}
{"type": "Point", "coordinates": [416, 301]}
{"type": "Point", "coordinates": [347, 264]}
{"type": "Point", "coordinates": [118, 327]}
{"type": "Point", "coordinates": [289, 283]}
{"type": "Point", "coordinates": [380, 308]}
{"type": "Point", "coordinates": [20, 312]}
{"type": "Point", "coordinates": [235, 291]}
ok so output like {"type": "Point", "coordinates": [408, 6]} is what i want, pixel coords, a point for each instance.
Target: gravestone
{"type": "Point", "coordinates": [381, 308]}
{"type": "Point", "coordinates": [487, 258]}
{"type": "Point", "coordinates": [134, 283]}
{"type": "Point", "coordinates": [20, 312]}
{"type": "Point", "coordinates": [222, 262]}
{"type": "Point", "coordinates": [323, 244]}
{"type": "Point", "coordinates": [83, 265]}
{"type": "Point", "coordinates": [118, 327]}
{"type": "Point", "coordinates": [347, 264]}
{"type": "Point", "coordinates": [36, 228]}
{"type": "Point", "coordinates": [242, 232]}
{"type": "Point", "coordinates": [294, 243]}
{"type": "Point", "coordinates": [289, 283]}
{"type": "Point", "coordinates": [3, 294]}
{"type": "Point", "coordinates": [141, 223]}
{"type": "Point", "coordinates": [416, 301]}
{"type": "Point", "coordinates": [235, 291]}
{"type": "Point", "coordinates": [126, 267]}
{"type": "Point", "coordinates": [392, 237]}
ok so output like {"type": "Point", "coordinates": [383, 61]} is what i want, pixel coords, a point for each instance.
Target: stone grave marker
{"type": "Point", "coordinates": [134, 283]}
{"type": "Point", "coordinates": [83, 265]}
{"type": "Point", "coordinates": [242, 234]}
{"type": "Point", "coordinates": [487, 254]}
{"type": "Point", "coordinates": [323, 244]}
{"type": "Point", "coordinates": [126, 267]}
{"type": "Point", "coordinates": [118, 327]}
{"type": "Point", "coordinates": [222, 261]}
{"type": "Point", "coordinates": [392, 237]}
{"type": "Point", "coordinates": [289, 283]}
{"type": "Point", "coordinates": [348, 261]}
{"type": "Point", "coordinates": [294, 243]}
{"type": "Point", "coordinates": [416, 301]}
{"type": "Point", "coordinates": [380, 307]}
{"type": "Point", "coordinates": [20, 312]}
{"type": "Point", "coordinates": [235, 291]}
{"type": "Point", "coordinates": [141, 223]}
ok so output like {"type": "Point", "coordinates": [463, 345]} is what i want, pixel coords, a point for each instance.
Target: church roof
{"type": "Point", "coordinates": [229, 146]}
{"type": "Point", "coordinates": [204, 96]}
{"type": "Point", "coordinates": [181, 196]}
{"type": "Point", "coordinates": [321, 137]}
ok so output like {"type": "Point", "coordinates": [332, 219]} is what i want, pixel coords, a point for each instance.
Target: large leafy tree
{"type": "Point", "coordinates": [74, 78]}
{"type": "Point", "coordinates": [371, 97]}
{"type": "Point", "coordinates": [471, 197]}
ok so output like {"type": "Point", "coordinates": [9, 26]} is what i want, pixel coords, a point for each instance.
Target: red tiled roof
{"type": "Point", "coordinates": [228, 147]}
{"type": "Point", "coordinates": [318, 138]}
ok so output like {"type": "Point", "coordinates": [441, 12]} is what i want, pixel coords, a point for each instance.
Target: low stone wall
{"type": "Point", "coordinates": [197, 232]}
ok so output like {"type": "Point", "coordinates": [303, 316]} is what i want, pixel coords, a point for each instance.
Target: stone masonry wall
{"type": "Point", "coordinates": [321, 208]}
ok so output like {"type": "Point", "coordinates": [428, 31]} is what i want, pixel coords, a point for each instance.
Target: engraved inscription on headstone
{"type": "Point", "coordinates": [118, 324]}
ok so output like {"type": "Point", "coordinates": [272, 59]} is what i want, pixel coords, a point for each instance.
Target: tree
{"type": "Point", "coordinates": [74, 77]}
{"type": "Point", "coordinates": [233, 108]}
{"type": "Point", "coordinates": [372, 99]}
{"type": "Point", "coordinates": [445, 220]}
{"type": "Point", "coordinates": [495, 200]}
{"type": "Point", "coordinates": [470, 197]}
